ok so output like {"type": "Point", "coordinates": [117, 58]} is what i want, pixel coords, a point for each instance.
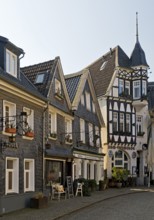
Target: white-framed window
{"type": "Point", "coordinates": [29, 175]}
{"type": "Point", "coordinates": [9, 114]}
{"type": "Point", "coordinates": [11, 63]}
{"type": "Point", "coordinates": [52, 123]}
{"type": "Point", "coordinates": [144, 87]}
{"type": "Point", "coordinates": [127, 87]}
{"type": "Point", "coordinates": [115, 121]}
{"type": "Point", "coordinates": [121, 122]}
{"type": "Point", "coordinates": [136, 89]}
{"type": "Point", "coordinates": [12, 175]}
{"type": "Point", "coordinates": [82, 130]}
{"type": "Point", "coordinates": [91, 135]}
{"type": "Point", "coordinates": [88, 101]}
{"type": "Point", "coordinates": [28, 121]}
{"type": "Point", "coordinates": [68, 128]}
{"type": "Point", "coordinates": [121, 86]}
{"type": "Point", "coordinates": [58, 87]}
{"type": "Point", "coordinates": [97, 136]}
{"type": "Point", "coordinates": [139, 124]}
{"type": "Point", "coordinates": [120, 160]}
{"type": "Point", "coordinates": [127, 122]}
{"type": "Point", "coordinates": [82, 100]}
{"type": "Point", "coordinates": [93, 107]}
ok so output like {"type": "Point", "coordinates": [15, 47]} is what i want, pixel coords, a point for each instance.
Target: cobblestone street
{"type": "Point", "coordinates": [104, 202]}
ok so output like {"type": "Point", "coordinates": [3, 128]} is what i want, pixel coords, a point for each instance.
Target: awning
{"type": "Point", "coordinates": [59, 152]}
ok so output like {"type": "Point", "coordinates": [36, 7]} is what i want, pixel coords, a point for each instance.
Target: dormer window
{"type": "Point", "coordinates": [58, 90]}
{"type": "Point", "coordinates": [39, 78]}
{"type": "Point", "coordinates": [11, 63]}
{"type": "Point", "coordinates": [103, 65]}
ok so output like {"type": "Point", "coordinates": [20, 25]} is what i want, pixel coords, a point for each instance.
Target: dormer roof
{"type": "Point", "coordinates": [17, 50]}
{"type": "Point", "coordinates": [33, 71]}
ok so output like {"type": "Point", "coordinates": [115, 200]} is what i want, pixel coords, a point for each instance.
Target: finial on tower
{"type": "Point", "coordinates": [137, 27]}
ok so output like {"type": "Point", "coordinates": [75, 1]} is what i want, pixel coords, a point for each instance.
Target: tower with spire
{"type": "Point", "coordinates": [138, 58]}
{"type": "Point", "coordinates": [121, 87]}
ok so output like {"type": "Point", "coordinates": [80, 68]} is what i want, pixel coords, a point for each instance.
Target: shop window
{"type": "Point", "coordinates": [54, 171]}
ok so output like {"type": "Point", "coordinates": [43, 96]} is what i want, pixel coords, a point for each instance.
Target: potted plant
{"type": "Point", "coordinates": [120, 175]}
{"type": "Point", "coordinates": [10, 128]}
{"type": "Point", "coordinates": [68, 138]}
{"type": "Point", "coordinates": [117, 175]}
{"type": "Point", "coordinates": [39, 201]}
{"type": "Point", "coordinates": [29, 132]}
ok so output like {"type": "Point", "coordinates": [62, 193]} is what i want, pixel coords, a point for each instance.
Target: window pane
{"type": "Point", "coordinates": [27, 180]}
{"type": "Point", "coordinates": [9, 164]}
{"type": "Point", "coordinates": [10, 180]}
{"type": "Point", "coordinates": [118, 162]}
{"type": "Point", "coordinates": [118, 154]}
{"type": "Point", "coordinates": [26, 165]}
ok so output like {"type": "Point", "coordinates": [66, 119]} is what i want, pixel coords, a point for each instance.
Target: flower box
{"type": "Point", "coordinates": [10, 130]}
{"type": "Point", "coordinates": [29, 134]}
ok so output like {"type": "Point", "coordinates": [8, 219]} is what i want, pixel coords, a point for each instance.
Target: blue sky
{"type": "Point", "coordinates": [79, 31]}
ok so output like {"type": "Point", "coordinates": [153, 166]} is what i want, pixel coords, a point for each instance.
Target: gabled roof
{"type": "Point", "coordinates": [102, 76]}
{"type": "Point", "coordinates": [32, 71]}
{"type": "Point", "coordinates": [75, 84]}
{"type": "Point", "coordinates": [47, 68]}
{"type": "Point", "coordinates": [138, 57]}
{"type": "Point", "coordinates": [72, 83]}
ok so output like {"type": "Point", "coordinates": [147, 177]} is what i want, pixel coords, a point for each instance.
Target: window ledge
{"type": "Point", "coordinates": [53, 138]}
{"type": "Point", "coordinates": [27, 138]}
{"type": "Point", "coordinates": [7, 133]}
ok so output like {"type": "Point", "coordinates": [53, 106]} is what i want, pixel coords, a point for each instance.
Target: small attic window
{"type": "Point", "coordinates": [39, 78]}
{"type": "Point", "coordinates": [11, 63]}
{"type": "Point", "coordinates": [103, 65]}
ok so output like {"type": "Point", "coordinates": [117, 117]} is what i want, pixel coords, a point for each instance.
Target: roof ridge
{"type": "Point", "coordinates": [71, 75]}
{"type": "Point", "coordinates": [37, 64]}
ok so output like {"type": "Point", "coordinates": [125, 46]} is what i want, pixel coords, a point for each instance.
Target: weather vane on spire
{"type": "Point", "coordinates": [137, 27]}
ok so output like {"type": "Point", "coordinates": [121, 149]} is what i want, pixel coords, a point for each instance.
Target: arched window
{"type": "Point", "coordinates": [120, 159]}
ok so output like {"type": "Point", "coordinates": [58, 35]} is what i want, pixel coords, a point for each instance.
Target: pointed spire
{"type": "Point", "coordinates": [137, 40]}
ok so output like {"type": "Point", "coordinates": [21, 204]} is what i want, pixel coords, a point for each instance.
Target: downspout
{"type": "Point", "coordinates": [43, 145]}
{"type": "Point", "coordinates": [23, 54]}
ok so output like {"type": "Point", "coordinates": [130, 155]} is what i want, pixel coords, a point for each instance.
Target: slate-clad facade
{"type": "Point", "coordinates": [87, 146]}
{"type": "Point", "coordinates": [20, 157]}
{"type": "Point", "coordinates": [58, 155]}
